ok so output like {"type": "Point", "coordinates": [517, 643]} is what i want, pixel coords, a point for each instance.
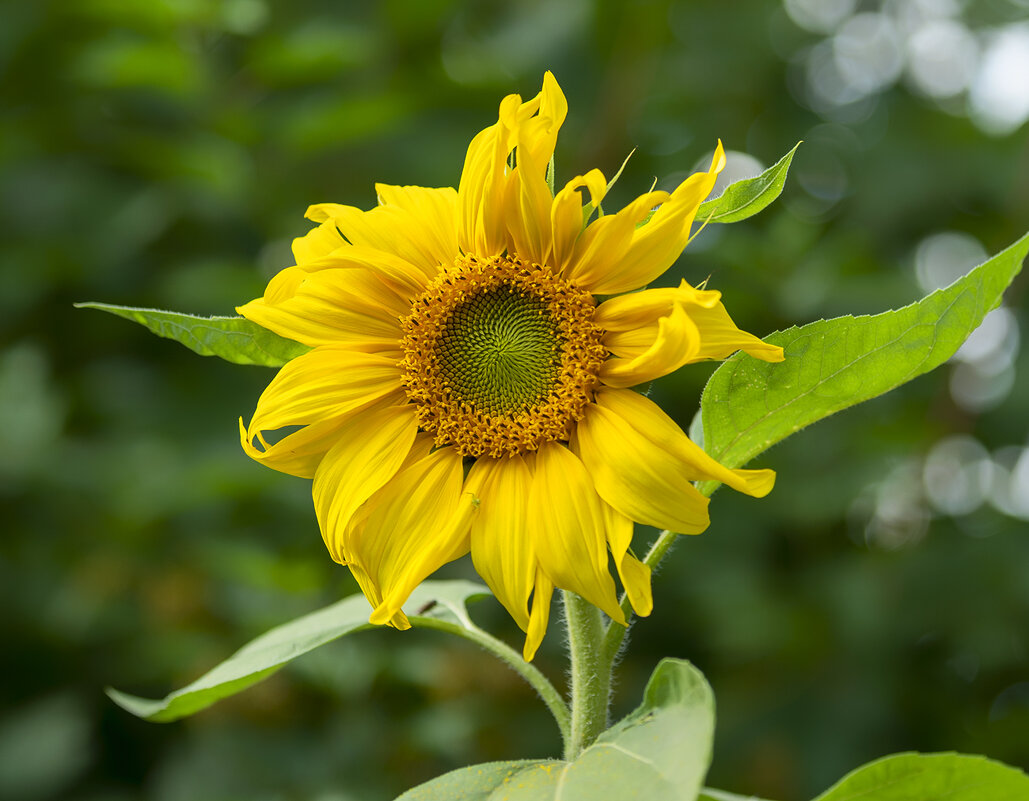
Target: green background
{"type": "Point", "coordinates": [162, 154]}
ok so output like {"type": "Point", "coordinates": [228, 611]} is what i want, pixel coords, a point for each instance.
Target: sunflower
{"type": "Point", "coordinates": [468, 389]}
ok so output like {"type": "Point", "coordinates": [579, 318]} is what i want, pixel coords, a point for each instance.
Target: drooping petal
{"type": "Point", "coordinates": [540, 615]}
{"type": "Point", "coordinates": [568, 528]}
{"type": "Point", "coordinates": [675, 342]}
{"type": "Point", "coordinates": [639, 478]}
{"type": "Point", "coordinates": [647, 418]}
{"type": "Point", "coordinates": [656, 331]}
{"type": "Point", "coordinates": [351, 307]}
{"type": "Point", "coordinates": [653, 247]}
{"type": "Point", "coordinates": [418, 522]}
{"type": "Point", "coordinates": [634, 575]}
{"type": "Point", "coordinates": [566, 214]}
{"type": "Point", "coordinates": [318, 390]}
{"type": "Point", "coordinates": [720, 338]}
{"type": "Point", "coordinates": [502, 552]}
{"type": "Point", "coordinates": [371, 448]}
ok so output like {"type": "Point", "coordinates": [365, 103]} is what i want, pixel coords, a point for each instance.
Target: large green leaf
{"type": "Point", "coordinates": [432, 602]}
{"type": "Point", "coordinates": [931, 777]}
{"type": "Point", "coordinates": [746, 198]}
{"type": "Point", "coordinates": [234, 339]}
{"type": "Point", "coordinates": [749, 405]}
{"type": "Point", "coordinates": [659, 751]}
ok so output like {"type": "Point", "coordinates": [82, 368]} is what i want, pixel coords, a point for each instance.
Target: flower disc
{"type": "Point", "coordinates": [500, 356]}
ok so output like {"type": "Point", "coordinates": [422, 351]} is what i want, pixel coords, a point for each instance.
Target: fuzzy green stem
{"type": "Point", "coordinates": [551, 697]}
{"type": "Point", "coordinates": [590, 673]}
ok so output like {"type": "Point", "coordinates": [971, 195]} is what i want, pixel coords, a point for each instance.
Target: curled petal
{"type": "Point", "coordinates": [317, 243]}
{"type": "Point", "coordinates": [694, 463]}
{"type": "Point", "coordinates": [351, 307]}
{"type": "Point", "coordinates": [568, 528]}
{"type": "Point", "coordinates": [540, 615]}
{"type": "Point", "coordinates": [317, 391]}
{"type": "Point", "coordinates": [370, 450]}
{"type": "Point", "coordinates": [634, 575]}
{"type": "Point", "coordinates": [675, 342]}
{"type": "Point", "coordinates": [418, 522]}
{"type": "Point", "coordinates": [637, 477]}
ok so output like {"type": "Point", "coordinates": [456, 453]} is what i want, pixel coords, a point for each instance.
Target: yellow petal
{"type": "Point", "coordinates": [317, 243]}
{"type": "Point", "coordinates": [435, 213]}
{"type": "Point", "coordinates": [346, 306]}
{"type": "Point", "coordinates": [647, 418]}
{"type": "Point", "coordinates": [568, 528]}
{"type": "Point", "coordinates": [655, 246]}
{"type": "Point", "coordinates": [502, 552]}
{"type": "Point", "coordinates": [484, 187]}
{"type": "Point", "coordinates": [640, 309]}
{"type": "Point", "coordinates": [540, 615]}
{"type": "Point", "coordinates": [637, 477]}
{"type": "Point", "coordinates": [418, 522]}
{"type": "Point", "coordinates": [371, 448]}
{"type": "Point", "coordinates": [720, 338]}
{"type": "Point", "coordinates": [634, 575]}
{"type": "Point", "coordinates": [601, 247]}
{"type": "Point", "coordinates": [374, 596]}
{"type": "Point", "coordinates": [492, 197]}
{"type": "Point", "coordinates": [675, 342]}
{"type": "Point", "coordinates": [407, 230]}
{"type": "Point", "coordinates": [317, 391]}
{"type": "Point", "coordinates": [566, 214]}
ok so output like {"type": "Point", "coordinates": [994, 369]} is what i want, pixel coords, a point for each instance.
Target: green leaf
{"type": "Point", "coordinates": [749, 405]}
{"type": "Point", "coordinates": [710, 794]}
{"type": "Point", "coordinates": [746, 198]}
{"type": "Point", "coordinates": [429, 604]}
{"type": "Point", "coordinates": [661, 750]}
{"type": "Point", "coordinates": [234, 339]}
{"type": "Point", "coordinates": [931, 777]}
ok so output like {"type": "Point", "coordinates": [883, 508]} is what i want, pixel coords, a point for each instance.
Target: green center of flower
{"type": "Point", "coordinates": [500, 350]}
{"type": "Point", "coordinates": [500, 356]}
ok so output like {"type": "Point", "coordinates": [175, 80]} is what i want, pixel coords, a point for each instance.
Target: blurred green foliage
{"type": "Point", "coordinates": [162, 154]}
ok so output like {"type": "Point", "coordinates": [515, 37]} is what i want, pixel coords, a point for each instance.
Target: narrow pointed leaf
{"type": "Point", "coordinates": [431, 602]}
{"type": "Point", "coordinates": [750, 405]}
{"type": "Point", "coordinates": [931, 777]}
{"type": "Point", "coordinates": [661, 750]}
{"type": "Point", "coordinates": [234, 339]}
{"type": "Point", "coordinates": [746, 198]}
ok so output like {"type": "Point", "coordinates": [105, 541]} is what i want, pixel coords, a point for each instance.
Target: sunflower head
{"type": "Point", "coordinates": [466, 391]}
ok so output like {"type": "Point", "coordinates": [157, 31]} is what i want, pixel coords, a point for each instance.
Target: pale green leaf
{"type": "Point", "coordinates": [746, 198]}
{"type": "Point", "coordinates": [430, 603]}
{"type": "Point", "coordinates": [234, 339]}
{"type": "Point", "coordinates": [749, 405]}
{"type": "Point", "coordinates": [659, 751]}
{"type": "Point", "coordinates": [931, 777]}
{"type": "Point", "coordinates": [710, 794]}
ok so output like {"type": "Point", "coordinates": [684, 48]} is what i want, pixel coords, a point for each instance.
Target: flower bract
{"type": "Point", "coordinates": [469, 386]}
